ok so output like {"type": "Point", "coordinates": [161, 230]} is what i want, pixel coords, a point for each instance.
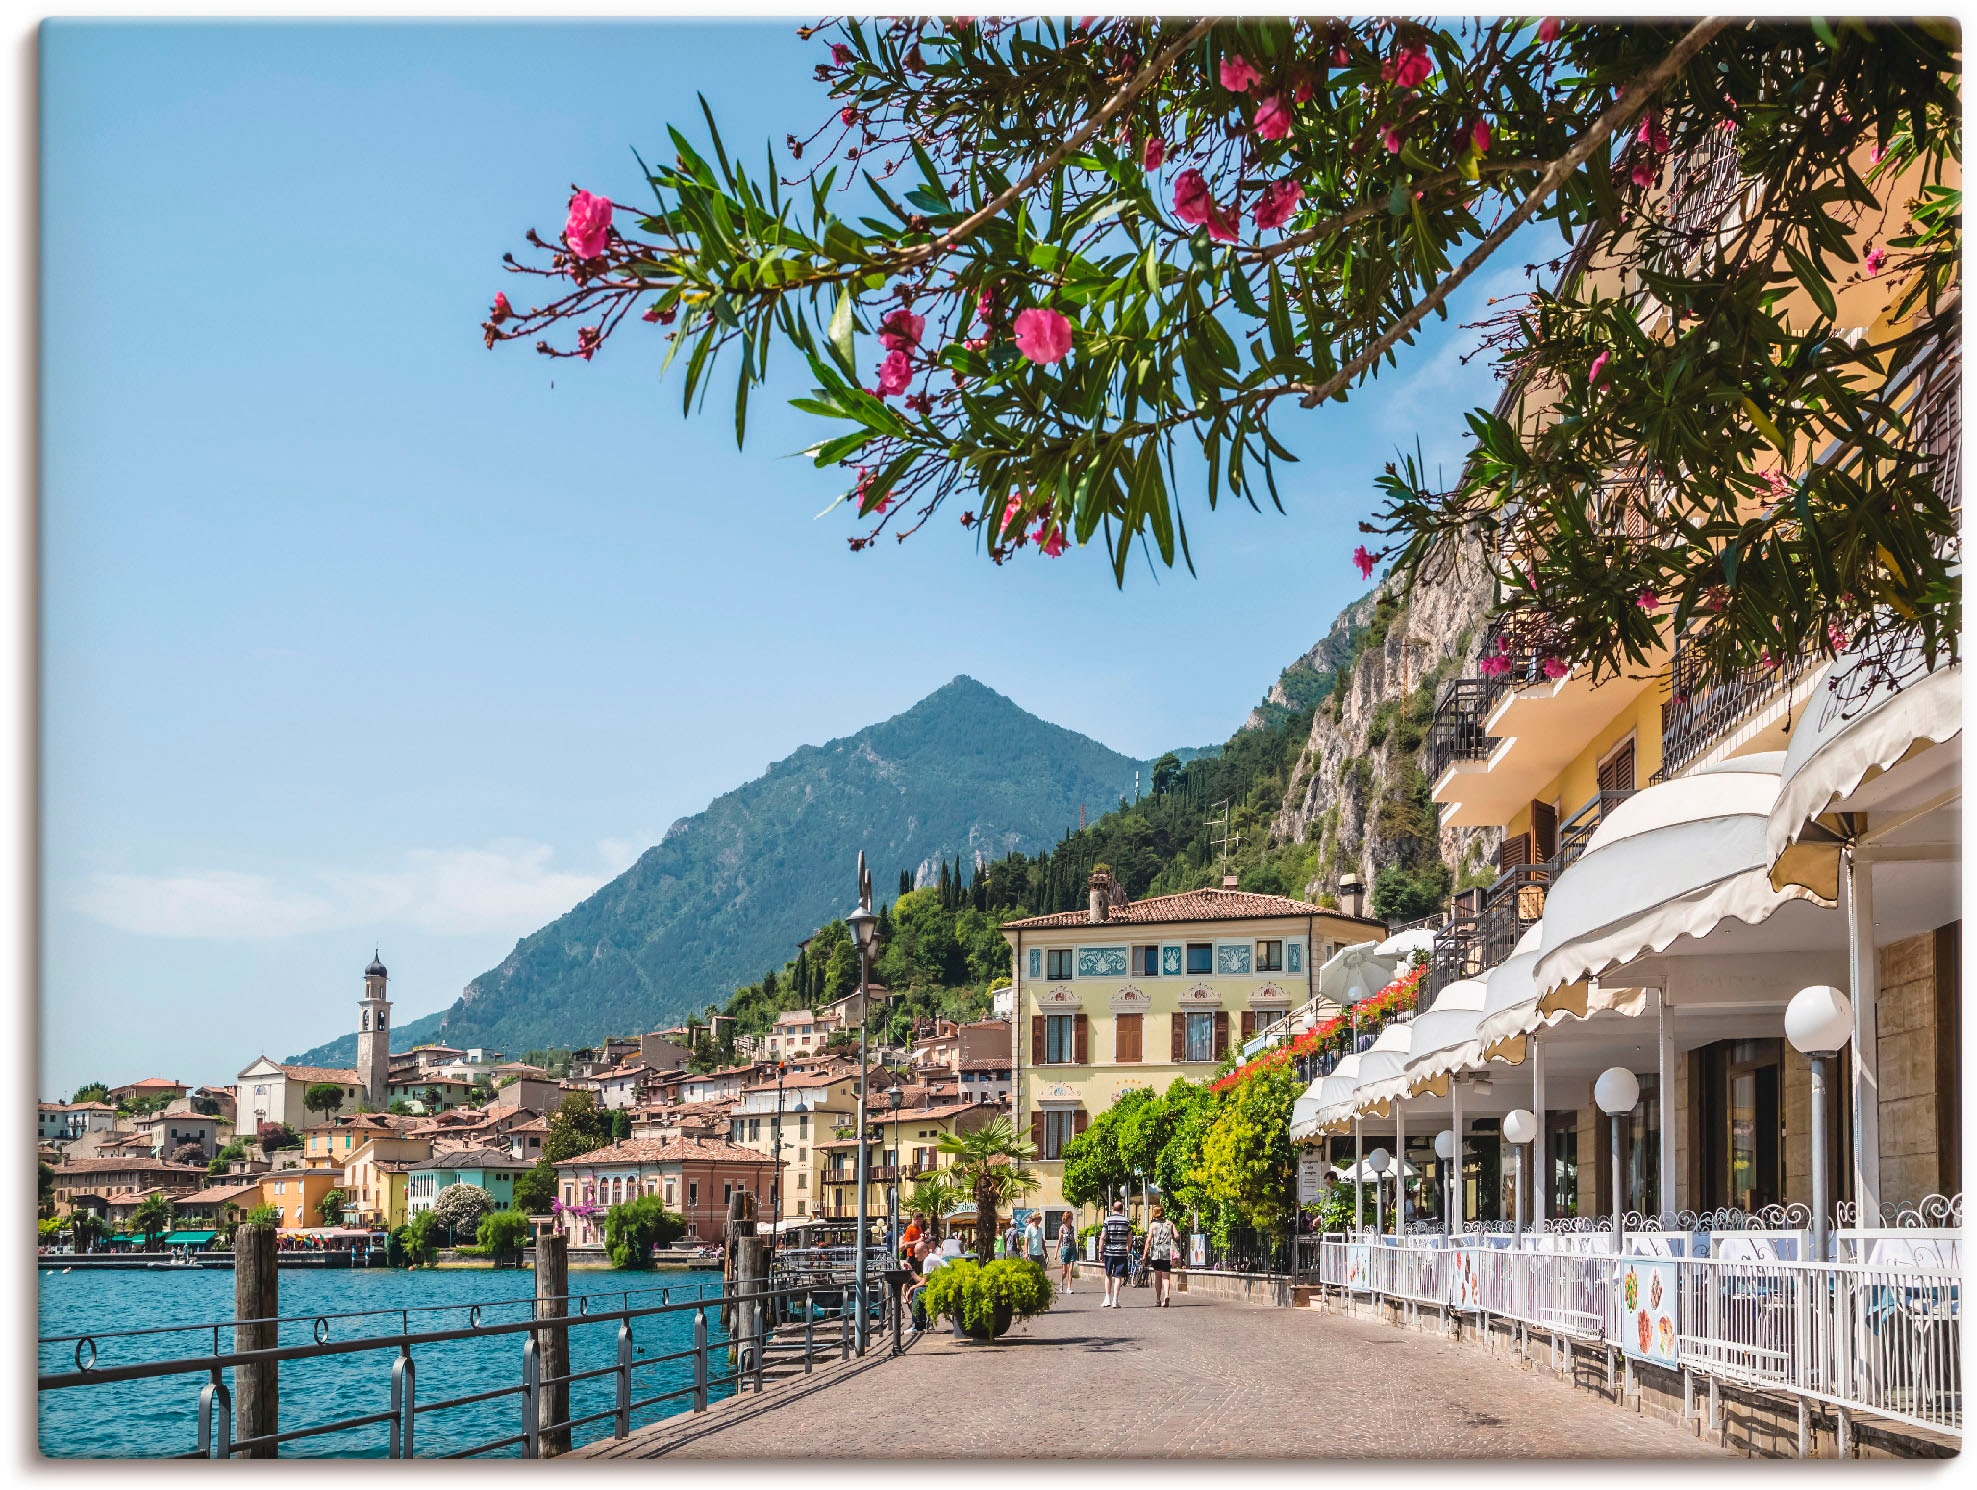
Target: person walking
{"type": "Point", "coordinates": [1162, 1245]}
{"type": "Point", "coordinates": [1067, 1255]}
{"type": "Point", "coordinates": [1033, 1242]}
{"type": "Point", "coordinates": [1115, 1247]}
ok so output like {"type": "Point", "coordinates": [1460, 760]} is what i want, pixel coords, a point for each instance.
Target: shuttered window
{"type": "Point", "coordinates": [1126, 1037]}
{"type": "Point", "coordinates": [1221, 1034]}
{"type": "Point", "coordinates": [1544, 832]}
{"type": "Point", "coordinates": [1515, 850]}
{"type": "Point", "coordinates": [1616, 772]}
{"type": "Point", "coordinates": [1248, 1023]}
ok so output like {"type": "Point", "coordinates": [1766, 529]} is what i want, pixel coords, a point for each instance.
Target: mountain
{"type": "Point", "coordinates": [1310, 679]}
{"type": "Point", "coordinates": [729, 892]}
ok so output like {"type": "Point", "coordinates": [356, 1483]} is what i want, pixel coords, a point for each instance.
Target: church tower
{"type": "Point", "coordinates": [374, 1037]}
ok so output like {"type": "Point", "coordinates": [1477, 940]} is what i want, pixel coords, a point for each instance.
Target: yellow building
{"type": "Point", "coordinates": [298, 1195]}
{"type": "Point", "coordinates": [1647, 915]}
{"type": "Point", "coordinates": [903, 1146]}
{"type": "Point", "coordinates": [374, 1177]}
{"type": "Point", "coordinates": [1136, 993]}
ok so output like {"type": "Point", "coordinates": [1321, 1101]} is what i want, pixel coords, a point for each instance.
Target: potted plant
{"type": "Point", "coordinates": [985, 1300]}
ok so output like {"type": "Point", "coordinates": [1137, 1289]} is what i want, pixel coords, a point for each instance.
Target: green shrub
{"type": "Point", "coordinates": [502, 1235]}
{"type": "Point", "coordinates": [973, 1292]}
{"type": "Point", "coordinates": [633, 1229]}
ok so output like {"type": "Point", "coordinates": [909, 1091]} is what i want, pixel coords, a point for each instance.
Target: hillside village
{"type": "Point", "coordinates": [334, 1155]}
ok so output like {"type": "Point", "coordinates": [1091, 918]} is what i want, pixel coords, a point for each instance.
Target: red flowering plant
{"type": "Point", "coordinates": [1337, 1033]}
{"type": "Point", "coordinates": [1125, 243]}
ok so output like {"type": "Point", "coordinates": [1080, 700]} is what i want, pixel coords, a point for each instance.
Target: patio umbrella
{"type": "Point", "coordinates": [1354, 974]}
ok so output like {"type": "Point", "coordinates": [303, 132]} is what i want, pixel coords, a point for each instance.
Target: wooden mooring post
{"type": "Point", "coordinates": [257, 1296]}
{"type": "Point", "coordinates": [552, 1287]}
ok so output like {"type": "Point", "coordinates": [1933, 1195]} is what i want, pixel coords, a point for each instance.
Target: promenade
{"type": "Point", "coordinates": [1202, 1379]}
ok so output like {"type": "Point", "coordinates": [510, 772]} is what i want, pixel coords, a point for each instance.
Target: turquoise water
{"type": "Point", "coordinates": [146, 1419]}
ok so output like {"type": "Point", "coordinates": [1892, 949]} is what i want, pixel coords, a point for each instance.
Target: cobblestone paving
{"type": "Point", "coordinates": [1201, 1379]}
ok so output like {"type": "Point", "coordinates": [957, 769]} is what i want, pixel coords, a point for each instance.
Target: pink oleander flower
{"type": "Point", "coordinates": [1341, 57]}
{"type": "Point", "coordinates": [840, 54]}
{"type": "Point", "coordinates": [1273, 119]}
{"type": "Point", "coordinates": [1651, 135]}
{"type": "Point", "coordinates": [651, 314]}
{"type": "Point", "coordinates": [1549, 28]}
{"type": "Point", "coordinates": [960, 23]}
{"type": "Point", "coordinates": [895, 373]}
{"type": "Point", "coordinates": [1775, 483]}
{"type": "Point", "coordinates": [1644, 174]}
{"type": "Point", "coordinates": [847, 115]}
{"type": "Point", "coordinates": [1050, 544]}
{"type": "Point", "coordinates": [1042, 335]}
{"type": "Point", "coordinates": [1192, 200]}
{"type": "Point", "coordinates": [589, 338]}
{"type": "Point", "coordinates": [1479, 136]}
{"type": "Point", "coordinates": [1391, 139]}
{"type": "Point", "coordinates": [1598, 369]}
{"type": "Point", "coordinates": [1407, 68]}
{"type": "Point", "coordinates": [1364, 562]}
{"type": "Point", "coordinates": [502, 309]}
{"type": "Point", "coordinates": [1715, 599]}
{"type": "Point", "coordinates": [1556, 668]}
{"type": "Point", "coordinates": [901, 330]}
{"type": "Point", "coordinates": [1012, 518]}
{"type": "Point", "coordinates": [1154, 151]}
{"type": "Point", "coordinates": [1221, 225]}
{"type": "Point", "coordinates": [1491, 667]}
{"type": "Point", "coordinates": [588, 227]}
{"type": "Point", "coordinates": [985, 304]}
{"type": "Point", "coordinates": [1302, 93]}
{"type": "Point", "coordinates": [1238, 76]}
{"type": "Point", "coordinates": [1278, 201]}
{"type": "Point", "coordinates": [1874, 155]}
{"type": "Point", "coordinates": [1648, 600]}
{"type": "Point", "coordinates": [1875, 259]}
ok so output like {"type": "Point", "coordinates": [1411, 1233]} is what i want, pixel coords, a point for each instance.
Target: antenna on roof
{"type": "Point", "coordinates": [1227, 837]}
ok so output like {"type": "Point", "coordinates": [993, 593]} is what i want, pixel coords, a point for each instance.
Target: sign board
{"type": "Point", "coordinates": [1358, 1267]}
{"type": "Point", "coordinates": [1311, 1174]}
{"type": "Point", "coordinates": [1461, 1288]}
{"type": "Point", "coordinates": [1644, 1299]}
{"type": "Point", "coordinates": [1198, 1250]}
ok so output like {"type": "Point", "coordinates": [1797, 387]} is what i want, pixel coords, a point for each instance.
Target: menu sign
{"type": "Point", "coordinates": [1644, 1298]}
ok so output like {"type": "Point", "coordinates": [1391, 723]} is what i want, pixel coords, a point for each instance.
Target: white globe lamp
{"type": "Point", "coordinates": [1819, 1022]}
{"type": "Point", "coordinates": [1520, 1127]}
{"type": "Point", "coordinates": [1616, 1091]}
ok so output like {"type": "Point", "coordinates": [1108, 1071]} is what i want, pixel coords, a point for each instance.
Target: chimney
{"type": "Point", "coordinates": [1230, 881]}
{"type": "Point", "coordinates": [1351, 890]}
{"type": "Point", "coordinates": [1101, 894]}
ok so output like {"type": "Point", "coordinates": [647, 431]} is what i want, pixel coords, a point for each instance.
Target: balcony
{"type": "Point", "coordinates": [1698, 717]}
{"type": "Point", "coordinates": [1456, 734]}
{"type": "Point", "coordinates": [1513, 906]}
{"type": "Point", "coordinates": [1455, 952]}
{"type": "Point", "coordinates": [1578, 829]}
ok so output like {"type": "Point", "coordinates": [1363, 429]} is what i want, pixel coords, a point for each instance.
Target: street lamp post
{"type": "Point", "coordinates": [1616, 1092]}
{"type": "Point", "coordinates": [1520, 1127]}
{"type": "Point", "coordinates": [1819, 1022]}
{"type": "Point", "coordinates": [864, 928]}
{"type": "Point", "coordinates": [893, 1099]}
{"type": "Point", "coordinates": [776, 1232]}
{"type": "Point", "coordinates": [1445, 1147]}
{"type": "Point", "coordinates": [1377, 1162]}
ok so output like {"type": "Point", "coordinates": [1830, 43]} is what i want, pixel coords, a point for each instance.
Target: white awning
{"type": "Point", "coordinates": [1381, 1063]}
{"type": "Point", "coordinates": [1865, 742]}
{"type": "Point", "coordinates": [1672, 861]}
{"type": "Point", "coordinates": [1445, 1036]}
{"type": "Point", "coordinates": [1322, 1092]}
{"type": "Point", "coordinates": [1513, 1009]}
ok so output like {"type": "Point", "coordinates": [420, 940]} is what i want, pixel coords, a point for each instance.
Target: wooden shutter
{"type": "Point", "coordinates": [1221, 1033]}
{"type": "Point", "coordinates": [1036, 1039]}
{"type": "Point", "coordinates": [1544, 832]}
{"type": "Point", "coordinates": [1616, 772]}
{"type": "Point", "coordinates": [1080, 1042]}
{"type": "Point", "coordinates": [1126, 1038]}
{"type": "Point", "coordinates": [1036, 1130]}
{"type": "Point", "coordinates": [1081, 1118]}
{"type": "Point", "coordinates": [1180, 1036]}
{"type": "Point", "coordinates": [1248, 1023]}
{"type": "Point", "coordinates": [1513, 851]}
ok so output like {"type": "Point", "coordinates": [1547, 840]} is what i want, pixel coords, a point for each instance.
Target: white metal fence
{"type": "Point", "coordinates": [1873, 1337]}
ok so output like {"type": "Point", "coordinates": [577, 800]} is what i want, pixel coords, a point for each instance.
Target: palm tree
{"type": "Point", "coordinates": [935, 1195]}
{"type": "Point", "coordinates": [153, 1217]}
{"type": "Point", "coordinates": [988, 1164]}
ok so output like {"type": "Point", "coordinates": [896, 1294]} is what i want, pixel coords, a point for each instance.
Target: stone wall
{"type": "Point", "coordinates": [1907, 1010]}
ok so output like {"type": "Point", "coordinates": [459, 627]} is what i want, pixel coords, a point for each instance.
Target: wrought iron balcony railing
{"type": "Point", "coordinates": [1515, 903]}
{"type": "Point", "coordinates": [1698, 715]}
{"type": "Point", "coordinates": [1456, 732]}
{"type": "Point", "coordinates": [1577, 830]}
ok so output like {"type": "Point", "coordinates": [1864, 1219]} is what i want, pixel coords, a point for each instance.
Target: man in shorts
{"type": "Point", "coordinates": [1115, 1250]}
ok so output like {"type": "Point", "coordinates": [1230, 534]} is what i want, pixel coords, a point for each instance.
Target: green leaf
{"type": "Point", "coordinates": [842, 325]}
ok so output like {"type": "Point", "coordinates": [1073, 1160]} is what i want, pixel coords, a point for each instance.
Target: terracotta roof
{"type": "Point", "coordinates": [660, 1150]}
{"type": "Point", "coordinates": [801, 1079]}
{"type": "Point", "coordinates": [131, 1086]}
{"type": "Point", "coordinates": [131, 1165]}
{"type": "Point", "coordinates": [1187, 905]}
{"type": "Point", "coordinates": [219, 1194]}
{"type": "Point", "coordinates": [318, 1073]}
{"type": "Point", "coordinates": [993, 1063]}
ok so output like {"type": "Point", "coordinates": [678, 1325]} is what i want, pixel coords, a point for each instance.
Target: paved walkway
{"type": "Point", "coordinates": [1202, 1379]}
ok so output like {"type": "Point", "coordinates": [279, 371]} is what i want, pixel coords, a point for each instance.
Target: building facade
{"type": "Point", "coordinates": [1135, 994]}
{"type": "Point", "coordinates": [693, 1178]}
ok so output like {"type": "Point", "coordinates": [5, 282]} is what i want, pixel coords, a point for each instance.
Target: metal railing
{"type": "Point", "coordinates": [1515, 903]}
{"type": "Point", "coordinates": [1698, 714]}
{"type": "Point", "coordinates": [1861, 1338]}
{"type": "Point", "coordinates": [767, 1323]}
{"type": "Point", "coordinates": [1578, 829]}
{"type": "Point", "coordinates": [1456, 732]}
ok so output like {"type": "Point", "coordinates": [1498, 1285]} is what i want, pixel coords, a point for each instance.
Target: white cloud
{"type": "Point", "coordinates": [506, 887]}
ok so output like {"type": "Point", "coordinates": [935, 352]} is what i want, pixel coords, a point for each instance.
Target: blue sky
{"type": "Point", "coordinates": [356, 633]}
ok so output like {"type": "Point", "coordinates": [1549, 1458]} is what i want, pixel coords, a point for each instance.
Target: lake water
{"type": "Point", "coordinates": [151, 1418]}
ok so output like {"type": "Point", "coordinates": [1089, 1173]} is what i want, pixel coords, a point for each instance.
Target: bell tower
{"type": "Point", "coordinates": [374, 1037]}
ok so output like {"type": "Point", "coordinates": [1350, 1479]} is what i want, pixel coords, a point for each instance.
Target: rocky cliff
{"type": "Point", "coordinates": [1358, 788]}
